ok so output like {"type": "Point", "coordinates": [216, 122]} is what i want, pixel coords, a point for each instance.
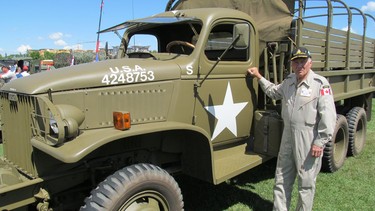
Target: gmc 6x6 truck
{"type": "Point", "coordinates": [116, 132]}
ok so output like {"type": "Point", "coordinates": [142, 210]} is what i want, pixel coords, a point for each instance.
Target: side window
{"type": "Point", "coordinates": [220, 38]}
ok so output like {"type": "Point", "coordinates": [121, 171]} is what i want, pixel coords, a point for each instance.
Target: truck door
{"type": "Point", "coordinates": [225, 105]}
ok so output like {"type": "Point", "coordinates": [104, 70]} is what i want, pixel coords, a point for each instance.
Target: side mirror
{"type": "Point", "coordinates": [242, 31]}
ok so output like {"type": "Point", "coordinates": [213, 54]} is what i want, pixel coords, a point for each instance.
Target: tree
{"type": "Point", "coordinates": [62, 60]}
{"type": "Point", "coordinates": [83, 57]}
{"type": "Point", "coordinates": [49, 55]}
{"type": "Point", "coordinates": [35, 55]}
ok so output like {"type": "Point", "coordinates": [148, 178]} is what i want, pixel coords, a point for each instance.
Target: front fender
{"type": "Point", "coordinates": [90, 140]}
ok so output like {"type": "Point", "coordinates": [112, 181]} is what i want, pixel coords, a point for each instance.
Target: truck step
{"type": "Point", "coordinates": [232, 161]}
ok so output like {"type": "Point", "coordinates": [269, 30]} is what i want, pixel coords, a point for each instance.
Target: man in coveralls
{"type": "Point", "coordinates": [309, 116]}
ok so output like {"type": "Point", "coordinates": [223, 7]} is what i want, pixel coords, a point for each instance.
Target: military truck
{"type": "Point", "coordinates": [111, 135]}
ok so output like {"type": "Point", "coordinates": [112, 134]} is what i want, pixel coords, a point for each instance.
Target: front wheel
{"type": "Point", "coordinates": [137, 187]}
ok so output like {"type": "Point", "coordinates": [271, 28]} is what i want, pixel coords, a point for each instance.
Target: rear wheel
{"type": "Point", "coordinates": [137, 187]}
{"type": "Point", "coordinates": [357, 121]}
{"type": "Point", "coordinates": [336, 149]}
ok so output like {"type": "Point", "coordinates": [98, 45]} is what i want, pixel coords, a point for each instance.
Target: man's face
{"type": "Point", "coordinates": [4, 70]}
{"type": "Point", "coordinates": [301, 66]}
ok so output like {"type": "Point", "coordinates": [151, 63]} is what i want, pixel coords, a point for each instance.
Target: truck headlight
{"type": "Point", "coordinates": [71, 127]}
{"type": "Point", "coordinates": [53, 126]}
{"type": "Point", "coordinates": [71, 118]}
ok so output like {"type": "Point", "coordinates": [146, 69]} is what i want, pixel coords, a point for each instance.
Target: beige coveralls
{"type": "Point", "coordinates": [309, 117]}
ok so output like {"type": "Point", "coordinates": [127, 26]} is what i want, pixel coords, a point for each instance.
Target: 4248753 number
{"type": "Point", "coordinates": [130, 77]}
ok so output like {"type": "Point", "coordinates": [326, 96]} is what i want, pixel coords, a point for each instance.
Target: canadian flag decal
{"type": "Point", "coordinates": [325, 90]}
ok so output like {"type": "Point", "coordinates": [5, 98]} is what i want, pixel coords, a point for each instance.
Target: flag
{"type": "Point", "coordinates": [325, 90]}
{"type": "Point", "coordinates": [97, 51]}
{"type": "Point", "coordinates": [97, 57]}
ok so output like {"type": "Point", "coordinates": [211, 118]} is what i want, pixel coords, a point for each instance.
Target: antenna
{"type": "Point", "coordinates": [97, 39]}
{"type": "Point", "coordinates": [133, 19]}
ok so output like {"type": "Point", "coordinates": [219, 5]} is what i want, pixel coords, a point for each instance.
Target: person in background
{"type": "Point", "coordinates": [18, 71]}
{"type": "Point", "coordinates": [14, 67]}
{"type": "Point", "coordinates": [23, 73]}
{"type": "Point", "coordinates": [309, 117]}
{"type": "Point", "coordinates": [6, 74]}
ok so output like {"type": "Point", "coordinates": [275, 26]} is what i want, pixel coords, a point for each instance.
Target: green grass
{"type": "Point", "coordinates": [350, 188]}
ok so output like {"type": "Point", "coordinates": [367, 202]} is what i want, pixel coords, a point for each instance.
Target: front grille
{"type": "Point", "coordinates": [16, 129]}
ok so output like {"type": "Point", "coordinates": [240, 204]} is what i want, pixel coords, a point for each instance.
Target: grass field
{"type": "Point", "coordinates": [350, 188]}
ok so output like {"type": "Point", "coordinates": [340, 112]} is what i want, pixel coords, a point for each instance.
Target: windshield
{"type": "Point", "coordinates": [157, 37]}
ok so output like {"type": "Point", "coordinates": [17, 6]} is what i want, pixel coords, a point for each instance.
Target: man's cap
{"type": "Point", "coordinates": [300, 52]}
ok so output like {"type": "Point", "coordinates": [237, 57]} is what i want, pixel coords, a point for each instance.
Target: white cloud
{"type": "Point", "coordinates": [56, 36]}
{"type": "Point", "coordinates": [74, 47]}
{"type": "Point", "coordinates": [351, 30]}
{"type": "Point", "coordinates": [23, 48]}
{"type": "Point", "coordinates": [369, 7]}
{"type": "Point", "coordinates": [60, 42]}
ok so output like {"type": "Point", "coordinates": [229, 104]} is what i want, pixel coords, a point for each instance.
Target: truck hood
{"type": "Point", "coordinates": [96, 74]}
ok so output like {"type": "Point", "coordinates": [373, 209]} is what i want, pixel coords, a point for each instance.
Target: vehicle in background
{"type": "Point", "coordinates": [46, 64]}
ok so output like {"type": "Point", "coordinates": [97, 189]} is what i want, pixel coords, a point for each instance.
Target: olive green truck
{"type": "Point", "coordinates": [111, 135]}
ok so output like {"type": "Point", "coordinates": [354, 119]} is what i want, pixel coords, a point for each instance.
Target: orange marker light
{"type": "Point", "coordinates": [121, 120]}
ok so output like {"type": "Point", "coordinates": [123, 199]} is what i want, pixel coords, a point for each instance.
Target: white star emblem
{"type": "Point", "coordinates": [226, 114]}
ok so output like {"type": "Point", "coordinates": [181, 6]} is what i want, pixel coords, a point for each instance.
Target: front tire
{"type": "Point", "coordinates": [357, 121]}
{"type": "Point", "coordinates": [336, 149]}
{"type": "Point", "coordinates": [137, 187]}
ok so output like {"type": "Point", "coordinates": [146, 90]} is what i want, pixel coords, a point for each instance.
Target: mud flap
{"type": "Point", "coordinates": [268, 128]}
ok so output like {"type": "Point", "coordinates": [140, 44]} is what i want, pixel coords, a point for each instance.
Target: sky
{"type": "Point", "coordinates": [72, 24]}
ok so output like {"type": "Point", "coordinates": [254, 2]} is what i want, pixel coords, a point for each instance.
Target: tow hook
{"type": "Point", "coordinates": [44, 204]}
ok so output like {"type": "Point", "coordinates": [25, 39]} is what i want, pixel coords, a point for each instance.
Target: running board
{"type": "Point", "coordinates": [233, 161]}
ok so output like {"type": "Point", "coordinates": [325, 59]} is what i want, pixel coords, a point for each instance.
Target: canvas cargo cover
{"type": "Point", "coordinates": [273, 17]}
